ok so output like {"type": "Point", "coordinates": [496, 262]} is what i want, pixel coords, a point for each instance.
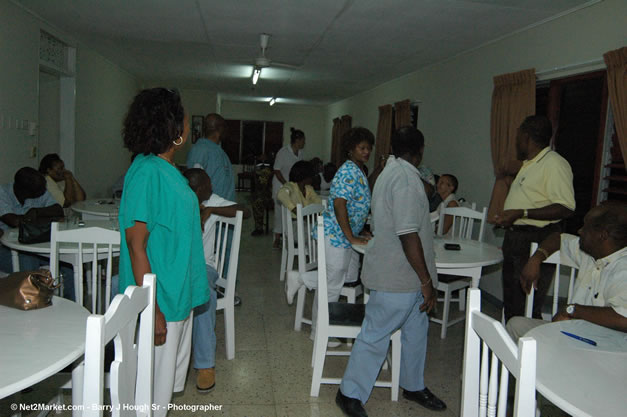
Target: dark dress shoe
{"type": "Point", "coordinates": [350, 406]}
{"type": "Point", "coordinates": [426, 399]}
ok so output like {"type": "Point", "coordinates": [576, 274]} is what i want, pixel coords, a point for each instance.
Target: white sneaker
{"type": "Point", "coordinates": [332, 343]}
{"type": "Point", "coordinates": [292, 285]}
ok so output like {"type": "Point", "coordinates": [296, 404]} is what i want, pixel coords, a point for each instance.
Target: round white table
{"type": "Point", "coordinates": [581, 379]}
{"type": "Point", "coordinates": [39, 343]}
{"type": "Point", "coordinates": [97, 209]}
{"type": "Point", "coordinates": [467, 262]}
{"type": "Point", "coordinates": [68, 252]}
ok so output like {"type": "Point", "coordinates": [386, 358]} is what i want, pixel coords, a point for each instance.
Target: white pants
{"type": "Point", "coordinates": [277, 227]}
{"type": "Point", "coordinates": [342, 266]}
{"type": "Point", "coordinates": [171, 362]}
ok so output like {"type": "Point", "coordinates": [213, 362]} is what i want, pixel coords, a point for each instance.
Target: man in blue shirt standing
{"type": "Point", "coordinates": [206, 153]}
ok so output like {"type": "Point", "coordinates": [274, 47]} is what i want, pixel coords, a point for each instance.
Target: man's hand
{"type": "Point", "coordinates": [508, 217]}
{"type": "Point", "coordinates": [359, 240]}
{"type": "Point", "coordinates": [430, 296]}
{"type": "Point", "coordinates": [561, 316]}
{"type": "Point", "coordinates": [205, 213]}
{"type": "Point", "coordinates": [530, 274]}
{"type": "Point", "coordinates": [161, 330]}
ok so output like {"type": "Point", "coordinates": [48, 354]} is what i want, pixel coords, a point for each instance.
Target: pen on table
{"type": "Point", "coordinates": [583, 339]}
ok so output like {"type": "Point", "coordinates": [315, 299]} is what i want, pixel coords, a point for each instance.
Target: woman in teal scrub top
{"type": "Point", "coordinates": [159, 218]}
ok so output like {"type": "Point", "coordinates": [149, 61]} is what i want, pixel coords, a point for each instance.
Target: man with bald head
{"type": "Point", "coordinates": [600, 254]}
{"type": "Point", "coordinates": [206, 153]}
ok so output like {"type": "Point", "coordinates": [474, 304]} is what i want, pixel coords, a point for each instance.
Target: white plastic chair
{"type": "Point", "coordinates": [555, 260]}
{"type": "Point", "coordinates": [306, 220]}
{"type": "Point", "coordinates": [227, 280]}
{"type": "Point", "coordinates": [484, 388]}
{"type": "Point", "coordinates": [90, 240]}
{"type": "Point", "coordinates": [462, 227]}
{"type": "Point", "coordinates": [288, 249]}
{"type": "Point", "coordinates": [342, 320]}
{"type": "Point", "coordinates": [131, 374]}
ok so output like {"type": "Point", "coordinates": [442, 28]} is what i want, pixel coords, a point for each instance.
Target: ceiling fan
{"type": "Point", "coordinates": [262, 61]}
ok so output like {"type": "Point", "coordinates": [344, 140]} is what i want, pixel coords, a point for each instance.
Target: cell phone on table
{"type": "Point", "coordinates": [452, 246]}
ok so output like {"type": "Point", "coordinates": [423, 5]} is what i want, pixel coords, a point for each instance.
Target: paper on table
{"type": "Point", "coordinates": [608, 340]}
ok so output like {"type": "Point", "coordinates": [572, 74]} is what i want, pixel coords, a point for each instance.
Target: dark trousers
{"type": "Point", "coordinates": [516, 247]}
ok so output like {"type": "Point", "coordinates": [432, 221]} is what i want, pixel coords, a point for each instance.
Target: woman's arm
{"type": "Point", "coordinates": [341, 214]}
{"type": "Point", "coordinates": [279, 176]}
{"type": "Point", "coordinates": [73, 191]}
{"type": "Point", "coordinates": [137, 241]}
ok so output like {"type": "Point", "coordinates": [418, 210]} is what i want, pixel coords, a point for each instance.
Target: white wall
{"type": "Point", "coordinates": [309, 119]}
{"type": "Point", "coordinates": [49, 113]}
{"type": "Point", "coordinates": [456, 94]}
{"type": "Point", "coordinates": [103, 95]}
{"type": "Point", "coordinates": [19, 54]}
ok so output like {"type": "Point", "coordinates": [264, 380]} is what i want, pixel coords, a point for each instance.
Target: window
{"type": "Point", "coordinates": [247, 139]}
{"type": "Point", "coordinates": [577, 107]}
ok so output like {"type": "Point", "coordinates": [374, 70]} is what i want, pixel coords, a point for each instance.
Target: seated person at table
{"type": "Point", "coordinates": [317, 165]}
{"type": "Point", "coordinates": [60, 182]}
{"type": "Point", "coordinates": [26, 199]}
{"type": "Point", "coordinates": [203, 330]}
{"type": "Point", "coordinates": [298, 189]}
{"type": "Point", "coordinates": [326, 176]}
{"type": "Point", "coordinates": [446, 186]}
{"type": "Point", "coordinates": [600, 253]}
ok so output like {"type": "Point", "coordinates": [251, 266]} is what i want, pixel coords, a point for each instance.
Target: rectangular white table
{"type": "Point", "coordinates": [582, 380]}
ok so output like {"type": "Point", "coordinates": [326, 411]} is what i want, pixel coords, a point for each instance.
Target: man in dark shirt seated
{"type": "Point", "coordinates": [26, 199]}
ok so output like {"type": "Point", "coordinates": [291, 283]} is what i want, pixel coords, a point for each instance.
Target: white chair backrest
{"type": "Point", "coordinates": [89, 240]}
{"type": "Point", "coordinates": [227, 276]}
{"type": "Point", "coordinates": [289, 239]}
{"type": "Point", "coordinates": [323, 299]}
{"type": "Point", "coordinates": [306, 221]}
{"type": "Point", "coordinates": [463, 221]}
{"type": "Point", "coordinates": [487, 345]}
{"type": "Point", "coordinates": [131, 374]}
{"type": "Point", "coordinates": [554, 259]}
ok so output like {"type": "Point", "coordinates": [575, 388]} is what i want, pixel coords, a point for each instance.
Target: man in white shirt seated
{"type": "Point", "coordinates": [600, 253]}
{"type": "Point", "coordinates": [203, 330]}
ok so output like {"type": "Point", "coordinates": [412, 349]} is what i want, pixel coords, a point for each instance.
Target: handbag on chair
{"type": "Point", "coordinates": [28, 290]}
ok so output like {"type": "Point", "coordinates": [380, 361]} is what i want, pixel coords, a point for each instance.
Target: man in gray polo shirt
{"type": "Point", "coordinates": [399, 269]}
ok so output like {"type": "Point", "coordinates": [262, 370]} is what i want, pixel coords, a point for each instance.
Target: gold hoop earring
{"type": "Point", "coordinates": [178, 141]}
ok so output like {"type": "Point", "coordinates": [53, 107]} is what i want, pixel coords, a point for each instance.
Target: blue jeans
{"type": "Point", "coordinates": [385, 313]}
{"type": "Point", "coordinates": [29, 262]}
{"type": "Point", "coordinates": [204, 328]}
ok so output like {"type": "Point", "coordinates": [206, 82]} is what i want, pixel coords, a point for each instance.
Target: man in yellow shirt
{"type": "Point", "coordinates": [540, 197]}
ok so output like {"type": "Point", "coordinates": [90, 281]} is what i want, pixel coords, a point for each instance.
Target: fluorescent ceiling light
{"type": "Point", "coordinates": [272, 101]}
{"type": "Point", "coordinates": [256, 74]}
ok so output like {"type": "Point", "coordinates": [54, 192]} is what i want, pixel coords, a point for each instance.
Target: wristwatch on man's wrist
{"type": "Point", "coordinates": [570, 310]}
{"type": "Point", "coordinates": [525, 213]}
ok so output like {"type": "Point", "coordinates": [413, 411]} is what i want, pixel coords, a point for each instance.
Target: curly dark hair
{"type": "Point", "coordinates": [47, 162]}
{"type": "Point", "coordinates": [301, 170]}
{"type": "Point", "coordinates": [354, 137]}
{"type": "Point", "coordinates": [153, 121]}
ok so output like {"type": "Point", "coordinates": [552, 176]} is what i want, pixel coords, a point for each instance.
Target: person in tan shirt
{"type": "Point", "coordinates": [298, 190]}
{"type": "Point", "coordinates": [53, 168]}
{"type": "Point", "coordinates": [540, 197]}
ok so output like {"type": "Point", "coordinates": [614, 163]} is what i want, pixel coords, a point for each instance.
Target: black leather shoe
{"type": "Point", "coordinates": [426, 399]}
{"type": "Point", "coordinates": [350, 406]}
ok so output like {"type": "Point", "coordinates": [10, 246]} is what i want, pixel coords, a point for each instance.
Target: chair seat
{"type": "Point", "coordinates": [447, 279]}
{"type": "Point", "coordinates": [345, 314]}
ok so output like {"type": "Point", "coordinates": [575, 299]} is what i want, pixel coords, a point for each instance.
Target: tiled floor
{"type": "Point", "coordinates": [271, 372]}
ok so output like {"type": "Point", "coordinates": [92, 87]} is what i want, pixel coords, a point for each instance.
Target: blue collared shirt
{"type": "Point", "coordinates": [9, 203]}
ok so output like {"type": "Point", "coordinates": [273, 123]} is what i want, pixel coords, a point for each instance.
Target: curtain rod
{"type": "Point", "coordinates": [570, 67]}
